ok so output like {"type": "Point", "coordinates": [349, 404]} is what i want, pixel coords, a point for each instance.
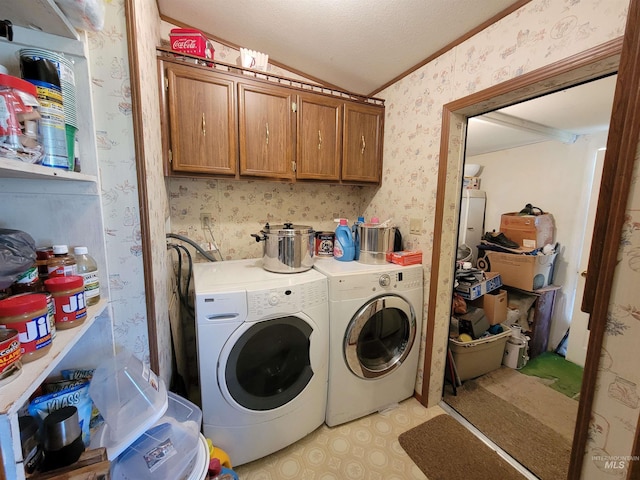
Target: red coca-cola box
{"type": "Point", "coordinates": [191, 41]}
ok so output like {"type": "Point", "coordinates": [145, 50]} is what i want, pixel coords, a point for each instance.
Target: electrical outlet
{"type": "Point", "coordinates": [415, 226]}
{"type": "Point", "coordinates": [205, 220]}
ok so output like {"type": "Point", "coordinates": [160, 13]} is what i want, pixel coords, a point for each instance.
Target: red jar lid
{"type": "Point", "coordinates": [18, 83]}
{"type": "Point", "coordinates": [57, 284]}
{"type": "Point", "coordinates": [21, 304]}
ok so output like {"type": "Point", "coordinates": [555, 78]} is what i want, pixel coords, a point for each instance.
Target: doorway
{"type": "Point", "coordinates": [523, 161]}
{"type": "Point", "coordinates": [589, 65]}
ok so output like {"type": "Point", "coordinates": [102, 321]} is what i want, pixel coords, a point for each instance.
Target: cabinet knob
{"type": "Point", "coordinates": [583, 274]}
{"type": "Point", "coordinates": [319, 140]}
{"type": "Point", "coordinates": [204, 125]}
{"type": "Point", "coordinates": [267, 133]}
{"type": "Point", "coordinates": [363, 145]}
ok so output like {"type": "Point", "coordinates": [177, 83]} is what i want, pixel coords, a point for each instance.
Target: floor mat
{"type": "Point", "coordinates": [534, 445]}
{"type": "Point", "coordinates": [446, 450]}
{"type": "Point", "coordinates": [564, 376]}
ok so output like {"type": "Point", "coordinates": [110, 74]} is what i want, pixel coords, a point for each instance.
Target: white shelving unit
{"type": "Point", "coordinates": [55, 207]}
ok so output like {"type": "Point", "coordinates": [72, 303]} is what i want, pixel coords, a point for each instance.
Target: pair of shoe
{"type": "Point", "coordinates": [499, 238]}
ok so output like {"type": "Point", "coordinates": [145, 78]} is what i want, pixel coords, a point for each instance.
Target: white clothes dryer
{"type": "Point", "coordinates": [375, 318]}
{"type": "Point", "coordinates": [262, 353]}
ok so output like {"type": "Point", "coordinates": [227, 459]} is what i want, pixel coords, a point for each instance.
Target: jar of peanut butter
{"type": "Point", "coordinates": [28, 315]}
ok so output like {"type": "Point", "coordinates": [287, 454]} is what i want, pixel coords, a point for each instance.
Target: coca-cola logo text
{"type": "Point", "coordinates": [185, 44]}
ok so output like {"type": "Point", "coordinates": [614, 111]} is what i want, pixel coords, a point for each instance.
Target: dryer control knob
{"type": "Point", "coordinates": [384, 280]}
{"type": "Point", "coordinates": [273, 300]}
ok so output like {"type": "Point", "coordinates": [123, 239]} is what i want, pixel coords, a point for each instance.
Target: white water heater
{"type": "Point", "coordinates": [471, 228]}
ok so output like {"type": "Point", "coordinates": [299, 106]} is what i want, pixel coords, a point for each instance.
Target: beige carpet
{"type": "Point", "coordinates": [446, 450]}
{"type": "Point", "coordinates": [532, 395]}
{"type": "Point", "coordinates": [530, 421]}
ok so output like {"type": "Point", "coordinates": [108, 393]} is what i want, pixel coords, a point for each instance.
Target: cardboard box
{"type": "Point", "coordinates": [527, 272]}
{"type": "Point", "coordinates": [494, 305]}
{"type": "Point", "coordinates": [475, 290]}
{"type": "Point", "coordinates": [405, 257]}
{"type": "Point", "coordinates": [478, 357]}
{"type": "Point", "coordinates": [471, 183]}
{"type": "Point", "coordinates": [529, 231]}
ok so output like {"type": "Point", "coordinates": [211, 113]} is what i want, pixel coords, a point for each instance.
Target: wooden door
{"type": "Point", "coordinates": [362, 148]}
{"type": "Point", "coordinates": [319, 140]}
{"type": "Point", "coordinates": [202, 121]}
{"type": "Point", "coordinates": [266, 126]}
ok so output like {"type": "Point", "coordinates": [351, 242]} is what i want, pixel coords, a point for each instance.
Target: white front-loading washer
{"type": "Point", "coordinates": [262, 355]}
{"type": "Point", "coordinates": [375, 318]}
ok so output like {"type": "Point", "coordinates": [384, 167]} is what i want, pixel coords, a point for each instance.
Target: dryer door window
{"type": "Point", "coordinates": [269, 365]}
{"type": "Point", "coordinates": [380, 336]}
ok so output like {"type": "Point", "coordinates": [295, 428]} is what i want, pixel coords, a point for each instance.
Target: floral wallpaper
{"type": "Point", "coordinates": [539, 33]}
{"type": "Point", "coordinates": [109, 66]}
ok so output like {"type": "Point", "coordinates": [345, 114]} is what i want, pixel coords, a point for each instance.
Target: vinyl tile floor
{"type": "Point", "coordinates": [366, 448]}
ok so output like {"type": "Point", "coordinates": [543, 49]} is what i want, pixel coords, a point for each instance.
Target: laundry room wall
{"type": "Point", "coordinates": [555, 177]}
{"type": "Point", "coordinates": [240, 208]}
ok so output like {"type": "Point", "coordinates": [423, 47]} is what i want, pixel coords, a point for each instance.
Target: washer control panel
{"type": "Point", "coordinates": [286, 300]}
{"type": "Point", "coordinates": [346, 287]}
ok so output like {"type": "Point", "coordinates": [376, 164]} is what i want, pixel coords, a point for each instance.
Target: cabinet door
{"type": "Point", "coordinates": [266, 124]}
{"type": "Point", "coordinates": [362, 149]}
{"type": "Point", "coordinates": [319, 142]}
{"type": "Point", "coordinates": [202, 121]}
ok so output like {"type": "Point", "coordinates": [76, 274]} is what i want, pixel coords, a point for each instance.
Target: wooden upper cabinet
{"type": "Point", "coordinates": [319, 141]}
{"type": "Point", "coordinates": [266, 126]}
{"type": "Point", "coordinates": [202, 121]}
{"type": "Point", "coordinates": [362, 147]}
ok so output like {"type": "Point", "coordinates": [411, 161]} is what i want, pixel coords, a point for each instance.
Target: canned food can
{"type": "Point", "coordinates": [324, 244]}
{"type": "Point", "coordinates": [10, 354]}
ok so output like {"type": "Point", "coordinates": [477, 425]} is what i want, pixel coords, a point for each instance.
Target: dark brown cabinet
{"type": "Point", "coordinates": [199, 121]}
{"type": "Point", "coordinates": [266, 125]}
{"type": "Point", "coordinates": [319, 139]}
{"type": "Point", "coordinates": [225, 124]}
{"type": "Point", "coordinates": [362, 150]}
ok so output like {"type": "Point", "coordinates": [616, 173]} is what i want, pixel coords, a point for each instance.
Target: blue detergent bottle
{"type": "Point", "coordinates": [355, 233]}
{"type": "Point", "coordinates": [343, 248]}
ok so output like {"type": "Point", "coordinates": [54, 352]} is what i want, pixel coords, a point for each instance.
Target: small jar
{"type": "Point", "coordinates": [28, 282]}
{"type": "Point", "coordinates": [62, 264]}
{"type": "Point", "coordinates": [68, 299]}
{"type": "Point", "coordinates": [43, 256]}
{"type": "Point", "coordinates": [28, 315]}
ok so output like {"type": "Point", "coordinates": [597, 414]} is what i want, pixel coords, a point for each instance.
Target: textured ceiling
{"type": "Point", "coordinates": [355, 45]}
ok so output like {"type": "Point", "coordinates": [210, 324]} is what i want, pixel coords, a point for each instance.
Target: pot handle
{"type": "Point", "coordinates": [259, 238]}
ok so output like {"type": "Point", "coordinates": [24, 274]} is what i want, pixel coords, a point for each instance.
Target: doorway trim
{"type": "Point", "coordinates": [583, 67]}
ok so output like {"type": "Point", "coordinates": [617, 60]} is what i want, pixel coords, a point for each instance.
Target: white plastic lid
{"type": "Point", "coordinates": [60, 249]}
{"type": "Point", "coordinates": [80, 250]}
{"type": "Point", "coordinates": [130, 398]}
{"type": "Point", "coordinates": [170, 449]}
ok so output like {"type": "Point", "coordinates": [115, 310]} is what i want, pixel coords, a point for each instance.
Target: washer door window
{"type": "Point", "coordinates": [380, 336]}
{"type": "Point", "coordinates": [269, 364]}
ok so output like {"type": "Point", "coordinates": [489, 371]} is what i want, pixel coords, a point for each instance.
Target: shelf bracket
{"type": "Point", "coordinates": [6, 29]}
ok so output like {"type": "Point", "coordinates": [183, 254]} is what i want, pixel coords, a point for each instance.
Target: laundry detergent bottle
{"type": "Point", "coordinates": [355, 233]}
{"type": "Point", "coordinates": [343, 247]}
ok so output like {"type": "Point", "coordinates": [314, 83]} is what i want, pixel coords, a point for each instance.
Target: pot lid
{"type": "Point", "coordinates": [287, 229]}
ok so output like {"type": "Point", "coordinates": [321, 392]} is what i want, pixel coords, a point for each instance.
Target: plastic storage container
{"type": "Point", "coordinates": [480, 356]}
{"type": "Point", "coordinates": [343, 247]}
{"type": "Point", "coordinates": [88, 269]}
{"type": "Point", "coordinates": [170, 449]}
{"type": "Point", "coordinates": [130, 398]}
{"type": "Point", "coordinates": [19, 120]}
